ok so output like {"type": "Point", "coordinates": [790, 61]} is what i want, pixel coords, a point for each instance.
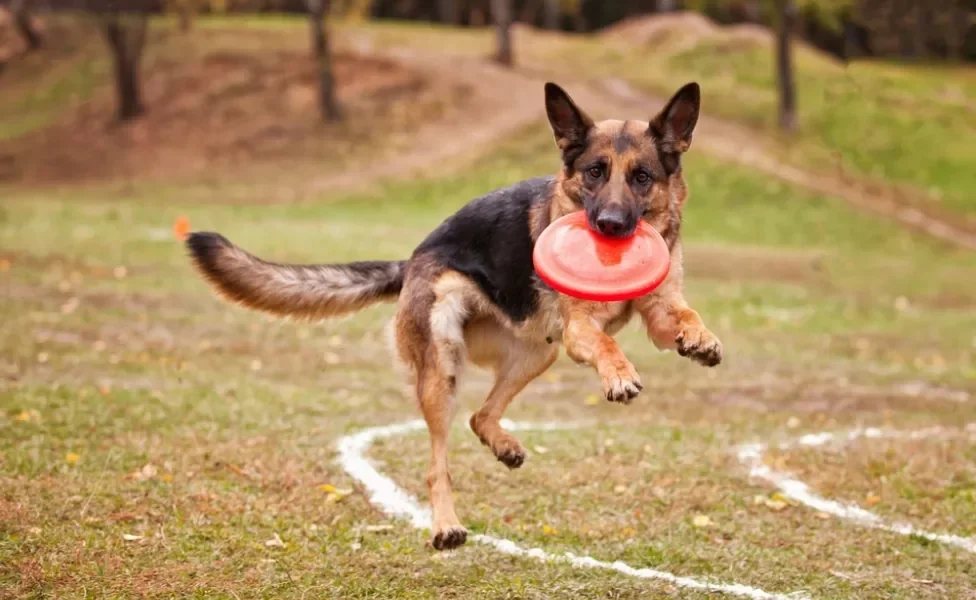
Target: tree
{"type": "Point", "coordinates": [328, 103]}
{"type": "Point", "coordinates": [24, 23]}
{"type": "Point", "coordinates": [448, 12]}
{"type": "Point", "coordinates": [552, 14]}
{"type": "Point", "coordinates": [126, 36]}
{"type": "Point", "coordinates": [501, 12]}
{"type": "Point", "coordinates": [185, 9]}
{"type": "Point", "coordinates": [786, 21]}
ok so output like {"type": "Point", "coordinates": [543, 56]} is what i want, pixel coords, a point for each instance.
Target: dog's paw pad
{"type": "Point", "coordinates": [701, 346]}
{"type": "Point", "coordinates": [622, 385]}
{"type": "Point", "coordinates": [449, 538]}
{"type": "Point", "coordinates": [512, 458]}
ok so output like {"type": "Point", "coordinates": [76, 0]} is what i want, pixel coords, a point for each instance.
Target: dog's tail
{"type": "Point", "coordinates": [302, 291]}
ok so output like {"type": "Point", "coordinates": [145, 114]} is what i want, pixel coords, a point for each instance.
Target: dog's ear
{"type": "Point", "coordinates": [570, 125]}
{"type": "Point", "coordinates": [674, 126]}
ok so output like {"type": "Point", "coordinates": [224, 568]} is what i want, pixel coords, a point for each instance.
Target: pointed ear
{"type": "Point", "coordinates": [675, 125]}
{"type": "Point", "coordinates": [569, 124]}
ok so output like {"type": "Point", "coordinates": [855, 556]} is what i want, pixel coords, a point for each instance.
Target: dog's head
{"type": "Point", "coordinates": [623, 171]}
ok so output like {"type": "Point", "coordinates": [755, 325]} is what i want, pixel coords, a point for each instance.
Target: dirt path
{"type": "Point", "coordinates": [505, 100]}
{"type": "Point", "coordinates": [500, 104]}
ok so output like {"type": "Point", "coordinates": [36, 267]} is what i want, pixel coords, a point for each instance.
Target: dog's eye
{"type": "Point", "coordinates": [642, 177]}
{"type": "Point", "coordinates": [595, 172]}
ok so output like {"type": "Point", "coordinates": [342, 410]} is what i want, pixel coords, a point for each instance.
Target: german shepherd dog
{"type": "Point", "coordinates": [469, 291]}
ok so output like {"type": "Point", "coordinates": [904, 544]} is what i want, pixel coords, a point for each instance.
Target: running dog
{"type": "Point", "coordinates": [469, 291]}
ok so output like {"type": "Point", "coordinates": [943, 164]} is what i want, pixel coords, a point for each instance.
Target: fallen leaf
{"type": "Point", "coordinates": [776, 502]}
{"type": "Point", "coordinates": [549, 530]}
{"type": "Point", "coordinates": [146, 473]}
{"type": "Point", "coordinates": [592, 400]}
{"type": "Point", "coordinates": [70, 306]}
{"type": "Point", "coordinates": [872, 499]}
{"type": "Point", "coordinates": [702, 521]}
{"type": "Point", "coordinates": [24, 416]}
{"type": "Point", "coordinates": [275, 542]}
{"type": "Point", "coordinates": [71, 457]}
{"type": "Point", "coordinates": [131, 538]}
{"type": "Point", "coordinates": [181, 228]}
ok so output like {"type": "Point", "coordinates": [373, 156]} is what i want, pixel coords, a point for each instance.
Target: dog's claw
{"type": "Point", "coordinates": [512, 457]}
{"type": "Point", "coordinates": [701, 346]}
{"type": "Point", "coordinates": [450, 538]}
{"type": "Point", "coordinates": [622, 385]}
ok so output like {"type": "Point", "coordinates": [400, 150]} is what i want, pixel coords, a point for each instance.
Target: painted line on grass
{"type": "Point", "coordinates": [751, 455]}
{"type": "Point", "coordinates": [396, 502]}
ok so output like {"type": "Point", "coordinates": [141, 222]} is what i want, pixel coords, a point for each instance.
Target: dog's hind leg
{"type": "Point", "coordinates": [518, 363]}
{"type": "Point", "coordinates": [436, 391]}
{"type": "Point", "coordinates": [432, 333]}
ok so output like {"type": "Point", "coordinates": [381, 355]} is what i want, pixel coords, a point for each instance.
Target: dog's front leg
{"type": "Point", "coordinates": [673, 325]}
{"type": "Point", "coordinates": [586, 342]}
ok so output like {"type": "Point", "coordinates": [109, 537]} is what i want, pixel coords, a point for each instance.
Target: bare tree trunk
{"type": "Point", "coordinates": [665, 5]}
{"type": "Point", "coordinates": [328, 103]}
{"type": "Point", "coordinates": [24, 24]}
{"type": "Point", "coordinates": [447, 12]}
{"type": "Point", "coordinates": [501, 13]}
{"type": "Point", "coordinates": [784, 65]}
{"type": "Point", "coordinates": [551, 14]}
{"type": "Point", "coordinates": [126, 36]}
{"type": "Point", "coordinates": [957, 24]}
{"type": "Point", "coordinates": [184, 12]}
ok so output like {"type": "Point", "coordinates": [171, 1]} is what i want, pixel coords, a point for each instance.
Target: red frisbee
{"type": "Point", "coordinates": [577, 261]}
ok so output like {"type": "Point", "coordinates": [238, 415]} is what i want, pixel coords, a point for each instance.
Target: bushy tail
{"type": "Point", "coordinates": [303, 291]}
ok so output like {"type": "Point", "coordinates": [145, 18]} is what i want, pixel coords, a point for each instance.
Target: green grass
{"type": "Point", "coordinates": [906, 126]}
{"type": "Point", "coordinates": [236, 415]}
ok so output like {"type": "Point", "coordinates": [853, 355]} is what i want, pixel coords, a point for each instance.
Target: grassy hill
{"type": "Point", "coordinates": [153, 440]}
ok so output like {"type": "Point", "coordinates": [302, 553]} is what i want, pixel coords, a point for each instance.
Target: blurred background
{"type": "Point", "coordinates": [156, 442]}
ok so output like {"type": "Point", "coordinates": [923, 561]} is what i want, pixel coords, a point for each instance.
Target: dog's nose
{"type": "Point", "coordinates": [612, 223]}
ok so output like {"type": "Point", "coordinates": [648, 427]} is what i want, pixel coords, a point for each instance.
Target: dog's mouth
{"type": "Point", "coordinates": [612, 223]}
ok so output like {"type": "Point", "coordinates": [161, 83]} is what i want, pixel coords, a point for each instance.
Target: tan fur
{"type": "Point", "coordinates": [301, 291]}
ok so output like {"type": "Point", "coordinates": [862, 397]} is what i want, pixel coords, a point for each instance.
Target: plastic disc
{"type": "Point", "coordinates": [576, 261]}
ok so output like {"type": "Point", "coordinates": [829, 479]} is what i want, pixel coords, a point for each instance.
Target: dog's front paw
{"type": "Point", "coordinates": [449, 537]}
{"type": "Point", "coordinates": [620, 382]}
{"type": "Point", "coordinates": [700, 345]}
{"type": "Point", "coordinates": [509, 451]}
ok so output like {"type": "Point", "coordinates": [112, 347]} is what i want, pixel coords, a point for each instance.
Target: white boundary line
{"type": "Point", "coordinates": [394, 501]}
{"type": "Point", "coordinates": [751, 455]}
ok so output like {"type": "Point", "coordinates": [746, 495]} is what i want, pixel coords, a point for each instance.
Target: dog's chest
{"type": "Point", "coordinates": [546, 322]}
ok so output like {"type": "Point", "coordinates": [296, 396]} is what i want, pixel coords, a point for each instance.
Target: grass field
{"type": "Point", "coordinates": [155, 442]}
